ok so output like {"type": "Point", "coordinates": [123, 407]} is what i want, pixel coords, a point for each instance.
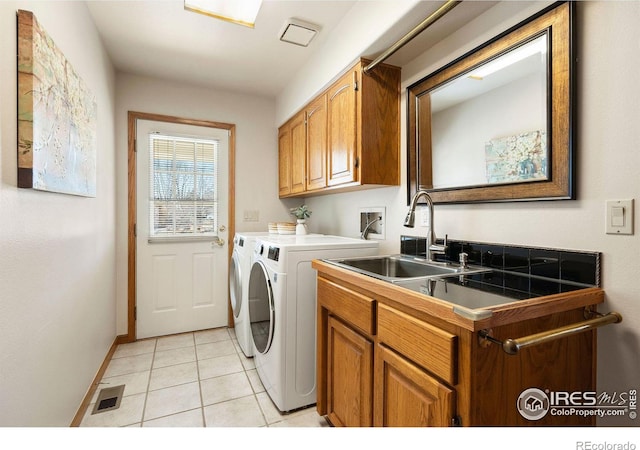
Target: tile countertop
{"type": "Point", "coordinates": [458, 301]}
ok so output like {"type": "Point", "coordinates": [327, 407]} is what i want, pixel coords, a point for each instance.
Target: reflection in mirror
{"type": "Point", "coordinates": [502, 108]}
{"type": "Point", "coordinates": [497, 124]}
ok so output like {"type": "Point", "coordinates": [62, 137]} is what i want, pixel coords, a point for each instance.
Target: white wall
{"type": "Point", "coordinates": [608, 107]}
{"type": "Point", "coordinates": [57, 252]}
{"type": "Point", "coordinates": [256, 152]}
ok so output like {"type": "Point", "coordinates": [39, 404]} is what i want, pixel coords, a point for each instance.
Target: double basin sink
{"type": "Point", "coordinates": [398, 268]}
{"type": "Point", "coordinates": [430, 278]}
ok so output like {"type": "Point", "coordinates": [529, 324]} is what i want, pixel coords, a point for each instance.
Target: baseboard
{"type": "Point", "coordinates": [94, 385]}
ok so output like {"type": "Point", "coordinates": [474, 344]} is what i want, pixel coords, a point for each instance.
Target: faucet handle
{"type": "Point", "coordinates": [440, 249]}
{"type": "Point", "coordinates": [464, 259]}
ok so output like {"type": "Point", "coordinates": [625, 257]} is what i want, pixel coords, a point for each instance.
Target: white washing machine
{"type": "Point", "coordinates": [282, 293]}
{"type": "Point", "coordinates": [241, 260]}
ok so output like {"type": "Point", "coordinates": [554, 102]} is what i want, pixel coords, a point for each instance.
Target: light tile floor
{"type": "Point", "coordinates": [199, 379]}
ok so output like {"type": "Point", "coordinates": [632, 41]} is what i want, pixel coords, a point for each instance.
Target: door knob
{"type": "Point", "coordinates": [217, 241]}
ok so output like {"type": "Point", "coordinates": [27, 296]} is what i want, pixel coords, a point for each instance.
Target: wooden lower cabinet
{"type": "Point", "coordinates": [381, 364]}
{"type": "Point", "coordinates": [407, 396]}
{"type": "Point", "coordinates": [363, 384]}
{"type": "Point", "coordinates": [350, 380]}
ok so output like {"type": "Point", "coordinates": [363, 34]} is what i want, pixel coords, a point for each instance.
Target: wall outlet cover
{"type": "Point", "coordinates": [424, 217]}
{"type": "Point", "coordinates": [251, 216]}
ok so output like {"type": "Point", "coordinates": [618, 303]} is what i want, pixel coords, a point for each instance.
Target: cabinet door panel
{"type": "Point", "coordinates": [284, 160]}
{"type": "Point", "coordinates": [408, 396]}
{"type": "Point", "coordinates": [317, 144]}
{"type": "Point", "coordinates": [350, 376]}
{"type": "Point", "coordinates": [298, 154]}
{"type": "Point", "coordinates": [342, 125]}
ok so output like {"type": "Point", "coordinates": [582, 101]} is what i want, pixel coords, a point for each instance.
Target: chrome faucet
{"type": "Point", "coordinates": [367, 228]}
{"type": "Point", "coordinates": [409, 221]}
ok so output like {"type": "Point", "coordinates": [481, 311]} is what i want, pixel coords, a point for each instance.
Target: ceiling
{"type": "Point", "coordinates": [161, 39]}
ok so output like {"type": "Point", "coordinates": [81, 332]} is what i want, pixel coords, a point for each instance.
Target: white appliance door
{"type": "Point", "coordinates": [261, 307]}
{"type": "Point", "coordinates": [235, 285]}
{"type": "Point", "coordinates": [181, 284]}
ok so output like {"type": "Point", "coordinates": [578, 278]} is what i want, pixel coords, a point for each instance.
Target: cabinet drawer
{"type": "Point", "coordinates": [350, 306]}
{"type": "Point", "coordinates": [429, 346]}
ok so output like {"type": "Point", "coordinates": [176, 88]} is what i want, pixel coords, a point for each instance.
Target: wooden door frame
{"type": "Point", "coordinates": [133, 116]}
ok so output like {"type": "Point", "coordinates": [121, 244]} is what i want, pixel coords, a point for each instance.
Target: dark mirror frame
{"type": "Point", "coordinates": [557, 22]}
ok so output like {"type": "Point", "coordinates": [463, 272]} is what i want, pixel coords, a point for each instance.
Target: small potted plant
{"type": "Point", "coordinates": [301, 213]}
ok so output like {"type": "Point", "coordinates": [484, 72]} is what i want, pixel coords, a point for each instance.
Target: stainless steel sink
{"type": "Point", "coordinates": [399, 267]}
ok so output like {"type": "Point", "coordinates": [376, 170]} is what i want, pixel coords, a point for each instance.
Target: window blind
{"type": "Point", "coordinates": [183, 194]}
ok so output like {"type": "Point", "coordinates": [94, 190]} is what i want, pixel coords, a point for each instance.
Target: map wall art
{"type": "Point", "coordinates": [517, 158]}
{"type": "Point", "coordinates": [57, 116]}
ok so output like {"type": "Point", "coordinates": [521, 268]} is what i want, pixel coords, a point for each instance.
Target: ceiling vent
{"type": "Point", "coordinates": [298, 32]}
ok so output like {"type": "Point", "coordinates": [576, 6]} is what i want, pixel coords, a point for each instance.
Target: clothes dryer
{"type": "Point", "coordinates": [241, 260]}
{"type": "Point", "coordinates": [282, 313]}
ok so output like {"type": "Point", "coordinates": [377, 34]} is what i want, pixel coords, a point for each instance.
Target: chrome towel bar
{"type": "Point", "coordinates": [513, 346]}
{"type": "Point", "coordinates": [426, 23]}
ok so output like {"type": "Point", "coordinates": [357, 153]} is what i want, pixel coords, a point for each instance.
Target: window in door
{"type": "Point", "coordinates": [183, 190]}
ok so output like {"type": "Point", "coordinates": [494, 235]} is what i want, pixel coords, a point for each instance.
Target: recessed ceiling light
{"type": "Point", "coordinates": [298, 32]}
{"type": "Point", "coordinates": [241, 12]}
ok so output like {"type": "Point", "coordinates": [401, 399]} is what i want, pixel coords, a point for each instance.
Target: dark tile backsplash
{"type": "Point", "coordinates": [515, 261]}
{"type": "Point", "coordinates": [544, 263]}
{"type": "Point", "coordinates": [579, 267]}
{"type": "Point", "coordinates": [492, 256]}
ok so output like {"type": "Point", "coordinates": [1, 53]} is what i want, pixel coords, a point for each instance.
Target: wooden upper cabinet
{"type": "Point", "coordinates": [341, 116]}
{"type": "Point", "coordinates": [378, 126]}
{"type": "Point", "coordinates": [298, 154]}
{"type": "Point", "coordinates": [284, 160]}
{"type": "Point", "coordinates": [316, 115]}
{"type": "Point", "coordinates": [352, 133]}
{"type": "Point", "coordinates": [292, 156]}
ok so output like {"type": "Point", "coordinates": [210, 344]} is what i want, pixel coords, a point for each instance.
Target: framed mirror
{"type": "Point", "coordinates": [497, 123]}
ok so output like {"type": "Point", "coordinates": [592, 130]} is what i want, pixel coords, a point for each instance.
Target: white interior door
{"type": "Point", "coordinates": [181, 258]}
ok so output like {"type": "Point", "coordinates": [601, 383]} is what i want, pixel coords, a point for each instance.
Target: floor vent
{"type": "Point", "coordinates": [108, 399]}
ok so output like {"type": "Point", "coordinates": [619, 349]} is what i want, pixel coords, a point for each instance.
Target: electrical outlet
{"type": "Point", "coordinates": [424, 217]}
{"type": "Point", "coordinates": [251, 216]}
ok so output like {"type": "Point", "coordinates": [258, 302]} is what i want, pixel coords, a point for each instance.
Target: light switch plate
{"type": "Point", "coordinates": [619, 217]}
